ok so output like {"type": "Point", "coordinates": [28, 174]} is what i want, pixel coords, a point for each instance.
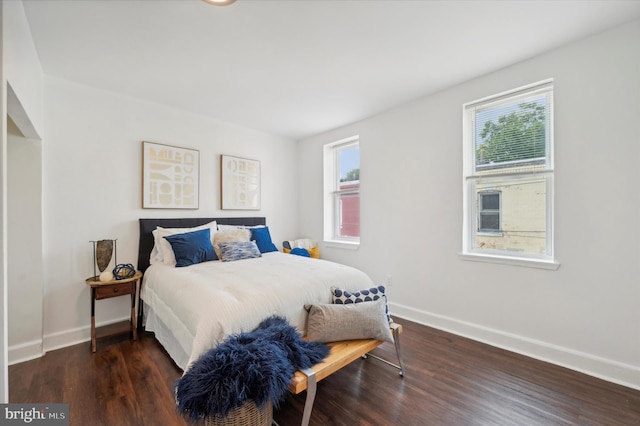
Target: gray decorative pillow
{"type": "Point", "coordinates": [238, 250]}
{"type": "Point", "coordinates": [332, 323]}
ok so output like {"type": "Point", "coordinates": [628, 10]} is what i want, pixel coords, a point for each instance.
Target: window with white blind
{"type": "Point", "coordinates": [508, 177]}
{"type": "Point", "coordinates": [342, 192]}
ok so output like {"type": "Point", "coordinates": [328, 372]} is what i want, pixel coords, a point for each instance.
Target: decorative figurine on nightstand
{"type": "Point", "coordinates": [124, 271]}
{"type": "Point", "coordinates": [102, 252]}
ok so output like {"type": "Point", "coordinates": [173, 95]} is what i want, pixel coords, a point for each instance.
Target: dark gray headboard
{"type": "Point", "coordinates": [147, 226]}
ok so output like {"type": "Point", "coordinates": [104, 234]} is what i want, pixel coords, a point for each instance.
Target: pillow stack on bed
{"type": "Point", "coordinates": [181, 247]}
{"type": "Point", "coordinates": [230, 236]}
{"type": "Point", "coordinates": [163, 252]}
{"type": "Point", "coordinates": [353, 315]}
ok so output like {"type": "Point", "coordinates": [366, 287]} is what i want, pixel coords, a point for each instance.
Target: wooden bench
{"type": "Point", "coordinates": [342, 353]}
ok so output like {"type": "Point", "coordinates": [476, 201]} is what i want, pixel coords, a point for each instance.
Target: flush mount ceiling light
{"type": "Point", "coordinates": [219, 2]}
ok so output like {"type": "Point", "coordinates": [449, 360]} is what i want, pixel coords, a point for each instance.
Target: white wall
{"type": "Point", "coordinates": [584, 315]}
{"type": "Point", "coordinates": [4, 329]}
{"type": "Point", "coordinates": [21, 89]}
{"type": "Point", "coordinates": [24, 220]}
{"type": "Point", "coordinates": [92, 189]}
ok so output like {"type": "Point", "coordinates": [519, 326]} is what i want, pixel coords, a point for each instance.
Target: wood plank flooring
{"type": "Point", "coordinates": [450, 380]}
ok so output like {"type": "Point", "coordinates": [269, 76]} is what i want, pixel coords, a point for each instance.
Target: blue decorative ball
{"type": "Point", "coordinates": [124, 271]}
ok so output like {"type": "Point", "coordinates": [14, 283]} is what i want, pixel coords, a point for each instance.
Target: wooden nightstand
{"type": "Point", "coordinates": [115, 288]}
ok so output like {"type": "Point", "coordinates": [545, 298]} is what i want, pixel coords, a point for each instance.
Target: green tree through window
{"type": "Point", "coordinates": [351, 176]}
{"type": "Point", "coordinates": [518, 135]}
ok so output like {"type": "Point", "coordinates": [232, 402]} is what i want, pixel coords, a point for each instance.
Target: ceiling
{"type": "Point", "coordinates": [300, 67]}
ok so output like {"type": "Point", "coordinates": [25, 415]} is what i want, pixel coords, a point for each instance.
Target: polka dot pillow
{"type": "Point", "coordinates": [344, 297]}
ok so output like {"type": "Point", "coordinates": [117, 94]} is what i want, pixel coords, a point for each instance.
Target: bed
{"type": "Point", "coordinates": [192, 309]}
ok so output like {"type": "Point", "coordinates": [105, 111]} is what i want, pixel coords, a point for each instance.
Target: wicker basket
{"type": "Point", "coordinates": [248, 414]}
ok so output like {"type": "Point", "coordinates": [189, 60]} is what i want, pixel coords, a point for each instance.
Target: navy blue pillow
{"type": "Point", "coordinates": [192, 247]}
{"type": "Point", "coordinates": [262, 237]}
{"type": "Point", "coordinates": [300, 252]}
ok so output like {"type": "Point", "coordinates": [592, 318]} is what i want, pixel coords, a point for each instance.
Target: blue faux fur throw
{"type": "Point", "coordinates": [254, 366]}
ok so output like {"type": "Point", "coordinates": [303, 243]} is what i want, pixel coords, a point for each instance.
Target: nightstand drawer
{"type": "Point", "coordinates": [113, 290]}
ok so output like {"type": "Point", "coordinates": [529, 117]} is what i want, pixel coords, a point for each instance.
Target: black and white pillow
{"type": "Point", "coordinates": [238, 250]}
{"type": "Point", "coordinates": [344, 297]}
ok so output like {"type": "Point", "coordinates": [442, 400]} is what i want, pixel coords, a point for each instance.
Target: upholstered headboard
{"type": "Point", "coordinates": [147, 226]}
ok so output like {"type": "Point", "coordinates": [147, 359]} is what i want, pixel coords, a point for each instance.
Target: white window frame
{"type": "Point", "coordinates": [470, 207]}
{"type": "Point", "coordinates": [332, 194]}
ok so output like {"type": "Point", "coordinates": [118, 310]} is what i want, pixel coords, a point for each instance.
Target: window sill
{"type": "Point", "coordinates": [349, 245]}
{"type": "Point", "coordinates": [489, 234]}
{"type": "Point", "coordinates": [509, 260]}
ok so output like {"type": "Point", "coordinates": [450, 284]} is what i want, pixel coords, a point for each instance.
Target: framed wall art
{"type": "Point", "coordinates": [170, 177]}
{"type": "Point", "coordinates": [240, 183]}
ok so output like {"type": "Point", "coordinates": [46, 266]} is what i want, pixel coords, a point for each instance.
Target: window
{"type": "Point", "coordinates": [342, 191]}
{"type": "Point", "coordinates": [508, 176]}
{"type": "Point", "coordinates": [489, 211]}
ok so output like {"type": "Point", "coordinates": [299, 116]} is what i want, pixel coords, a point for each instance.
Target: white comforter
{"type": "Point", "coordinates": [202, 304]}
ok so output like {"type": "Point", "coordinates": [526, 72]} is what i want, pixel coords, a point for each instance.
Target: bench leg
{"type": "Point", "coordinates": [311, 395]}
{"type": "Point", "coordinates": [396, 341]}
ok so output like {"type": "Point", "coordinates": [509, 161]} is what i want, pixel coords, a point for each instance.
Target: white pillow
{"type": "Point", "coordinates": [305, 243]}
{"type": "Point", "coordinates": [222, 227]}
{"type": "Point", "coordinates": [162, 251]}
{"type": "Point", "coordinates": [154, 257]}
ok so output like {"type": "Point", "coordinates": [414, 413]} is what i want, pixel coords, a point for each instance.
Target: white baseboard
{"type": "Point", "coordinates": [74, 336]}
{"type": "Point", "coordinates": [602, 368]}
{"type": "Point", "coordinates": [62, 339]}
{"type": "Point", "coordinates": [25, 351]}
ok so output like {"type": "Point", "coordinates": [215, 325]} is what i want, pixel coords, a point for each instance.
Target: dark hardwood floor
{"type": "Point", "coordinates": [450, 380]}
